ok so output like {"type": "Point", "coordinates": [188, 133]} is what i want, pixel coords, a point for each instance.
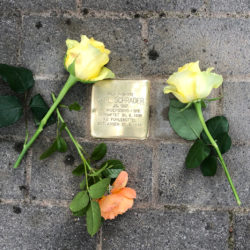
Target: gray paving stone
{"type": "Point", "coordinates": [12, 181]}
{"type": "Point", "coordinates": [31, 5]}
{"type": "Point", "coordinates": [47, 42]}
{"type": "Point", "coordinates": [137, 159]}
{"type": "Point", "coordinates": [178, 185]}
{"type": "Point", "coordinates": [242, 231]}
{"type": "Point", "coordinates": [150, 5]}
{"type": "Point", "coordinates": [236, 107]}
{"type": "Point", "coordinates": [9, 36]}
{"type": "Point", "coordinates": [76, 121]}
{"type": "Point", "coordinates": [215, 42]}
{"type": "Point", "coordinates": [52, 178]}
{"type": "Point", "coordinates": [230, 5]}
{"type": "Point", "coordinates": [155, 229]}
{"type": "Point", "coordinates": [30, 227]}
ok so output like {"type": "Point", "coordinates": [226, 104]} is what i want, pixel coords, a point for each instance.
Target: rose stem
{"type": "Point", "coordinates": [214, 144]}
{"type": "Point", "coordinates": [70, 82]}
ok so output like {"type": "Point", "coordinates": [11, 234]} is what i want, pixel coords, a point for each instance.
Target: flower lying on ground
{"type": "Point", "coordinates": [119, 200]}
{"type": "Point", "coordinates": [85, 60]}
{"type": "Point", "coordinates": [191, 84]}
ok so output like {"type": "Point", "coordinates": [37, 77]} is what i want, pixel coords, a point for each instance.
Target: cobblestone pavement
{"type": "Point", "coordinates": [176, 208]}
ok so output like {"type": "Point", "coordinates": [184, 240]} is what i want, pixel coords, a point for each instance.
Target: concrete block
{"type": "Point", "coordinates": [9, 36]}
{"type": "Point", "coordinates": [222, 43]}
{"type": "Point", "coordinates": [236, 107]}
{"type": "Point", "coordinates": [241, 231]}
{"type": "Point", "coordinates": [52, 178]}
{"type": "Point", "coordinates": [137, 159]}
{"type": "Point", "coordinates": [31, 228]}
{"type": "Point", "coordinates": [161, 5]}
{"type": "Point", "coordinates": [45, 37]}
{"type": "Point", "coordinates": [39, 6]}
{"type": "Point", "coordinates": [156, 229]}
{"type": "Point", "coordinates": [77, 121]}
{"type": "Point", "coordinates": [178, 185]}
{"type": "Point", "coordinates": [238, 6]}
{"type": "Point", "coordinates": [12, 181]}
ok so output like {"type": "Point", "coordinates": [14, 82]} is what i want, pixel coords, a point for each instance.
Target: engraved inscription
{"type": "Point", "coordinates": [123, 109]}
{"type": "Point", "coordinates": [120, 108]}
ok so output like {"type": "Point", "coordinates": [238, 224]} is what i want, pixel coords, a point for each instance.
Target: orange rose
{"type": "Point", "coordinates": [120, 199]}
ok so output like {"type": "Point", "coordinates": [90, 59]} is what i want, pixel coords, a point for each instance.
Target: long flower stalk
{"type": "Point", "coordinates": [214, 144]}
{"type": "Point", "coordinates": [70, 82]}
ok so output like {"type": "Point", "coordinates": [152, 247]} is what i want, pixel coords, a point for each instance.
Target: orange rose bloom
{"type": "Point", "coordinates": [120, 199]}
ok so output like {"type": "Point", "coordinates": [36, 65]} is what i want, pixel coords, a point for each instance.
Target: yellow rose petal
{"type": "Point", "coordinates": [104, 74]}
{"type": "Point", "coordinates": [185, 84]}
{"type": "Point", "coordinates": [193, 67]}
{"type": "Point", "coordinates": [205, 82]}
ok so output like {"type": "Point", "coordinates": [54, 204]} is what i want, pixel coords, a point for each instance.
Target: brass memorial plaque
{"type": "Point", "coordinates": [120, 109]}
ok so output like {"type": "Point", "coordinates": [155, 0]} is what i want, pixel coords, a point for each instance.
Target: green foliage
{"type": "Point", "coordinates": [224, 142]}
{"type": "Point", "coordinates": [80, 201]}
{"type": "Point", "coordinates": [93, 218]}
{"type": "Point", "coordinates": [99, 152]}
{"type": "Point", "coordinates": [185, 122]}
{"type": "Point", "coordinates": [79, 170]}
{"type": "Point", "coordinates": [71, 68]}
{"type": "Point", "coordinates": [216, 126]}
{"type": "Point", "coordinates": [10, 110]}
{"type": "Point", "coordinates": [39, 109]}
{"type": "Point", "coordinates": [59, 145]}
{"type": "Point", "coordinates": [82, 184]}
{"type": "Point", "coordinates": [97, 190]}
{"type": "Point", "coordinates": [114, 167]}
{"type": "Point", "coordinates": [81, 212]}
{"type": "Point", "coordinates": [197, 154]}
{"type": "Point", "coordinates": [19, 79]}
{"type": "Point", "coordinates": [209, 166]}
{"type": "Point", "coordinates": [75, 106]}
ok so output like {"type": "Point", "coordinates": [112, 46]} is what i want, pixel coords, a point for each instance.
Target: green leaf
{"type": "Point", "coordinates": [80, 213]}
{"type": "Point", "coordinates": [10, 110]}
{"type": "Point", "coordinates": [39, 109]}
{"type": "Point", "coordinates": [203, 104]}
{"type": "Point", "coordinates": [216, 126]}
{"type": "Point", "coordinates": [80, 201]}
{"type": "Point", "coordinates": [61, 145]}
{"type": "Point", "coordinates": [79, 170]}
{"type": "Point", "coordinates": [93, 218]}
{"type": "Point", "coordinates": [75, 106]}
{"type": "Point", "coordinates": [112, 173]}
{"type": "Point", "coordinates": [209, 166]}
{"type": "Point", "coordinates": [197, 154]}
{"type": "Point", "coordinates": [97, 190]}
{"type": "Point", "coordinates": [99, 152]}
{"type": "Point", "coordinates": [19, 79]}
{"type": "Point", "coordinates": [99, 171]}
{"type": "Point", "coordinates": [52, 149]}
{"type": "Point", "coordinates": [186, 123]}
{"type": "Point", "coordinates": [71, 68]}
{"type": "Point", "coordinates": [114, 168]}
{"type": "Point", "coordinates": [224, 142]}
{"type": "Point", "coordinates": [83, 183]}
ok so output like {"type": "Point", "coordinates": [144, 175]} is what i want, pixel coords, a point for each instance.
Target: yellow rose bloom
{"type": "Point", "coordinates": [86, 59]}
{"type": "Point", "coordinates": [190, 83]}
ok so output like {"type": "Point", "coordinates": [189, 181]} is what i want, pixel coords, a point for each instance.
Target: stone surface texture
{"type": "Point", "coordinates": [176, 208]}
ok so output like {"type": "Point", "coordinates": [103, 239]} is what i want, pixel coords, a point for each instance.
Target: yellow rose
{"type": "Point", "coordinates": [190, 83]}
{"type": "Point", "coordinates": [85, 60]}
